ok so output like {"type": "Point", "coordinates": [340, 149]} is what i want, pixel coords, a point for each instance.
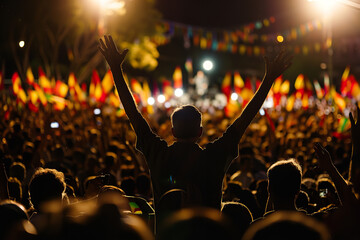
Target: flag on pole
{"type": "Point", "coordinates": [44, 82]}
{"type": "Point", "coordinates": [61, 89]}
{"type": "Point", "coordinates": [238, 82]}
{"type": "Point", "coordinates": [30, 77]}
{"type": "Point", "coordinates": [108, 82]}
{"type": "Point", "coordinates": [177, 77]}
{"type": "Point", "coordinates": [226, 85]}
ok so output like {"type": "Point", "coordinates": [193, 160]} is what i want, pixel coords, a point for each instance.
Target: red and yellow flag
{"type": "Point", "coordinates": [107, 82]}
{"type": "Point", "coordinates": [30, 77]}
{"type": "Point", "coordinates": [44, 82]}
{"type": "Point", "coordinates": [238, 82]}
{"type": "Point", "coordinates": [226, 85]}
{"type": "Point", "coordinates": [177, 77]}
{"type": "Point", "coordinates": [61, 89]}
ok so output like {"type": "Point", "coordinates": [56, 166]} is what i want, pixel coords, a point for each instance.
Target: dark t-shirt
{"type": "Point", "coordinates": [185, 165]}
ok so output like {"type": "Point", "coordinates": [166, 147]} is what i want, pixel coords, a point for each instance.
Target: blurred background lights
{"type": "Point", "coordinates": [234, 96]}
{"type": "Point", "coordinates": [151, 101]}
{"type": "Point", "coordinates": [21, 43]}
{"type": "Point", "coordinates": [161, 98]}
{"type": "Point", "coordinates": [280, 38]}
{"type": "Point", "coordinates": [208, 65]}
{"type": "Point", "coordinates": [179, 92]}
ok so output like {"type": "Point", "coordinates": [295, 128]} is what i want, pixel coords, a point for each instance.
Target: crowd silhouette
{"type": "Point", "coordinates": [192, 176]}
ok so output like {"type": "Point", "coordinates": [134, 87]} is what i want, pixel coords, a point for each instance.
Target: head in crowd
{"type": "Point", "coordinates": [186, 123]}
{"type": "Point", "coordinates": [284, 179]}
{"type": "Point", "coordinates": [11, 214]}
{"type": "Point", "coordinates": [239, 215]}
{"type": "Point", "coordinates": [45, 185]}
{"type": "Point", "coordinates": [15, 189]}
{"type": "Point", "coordinates": [196, 223]}
{"type": "Point", "coordinates": [18, 171]}
{"type": "Point", "coordinates": [287, 225]}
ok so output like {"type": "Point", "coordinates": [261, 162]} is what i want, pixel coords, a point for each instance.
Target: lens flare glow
{"type": "Point", "coordinates": [179, 92]}
{"type": "Point", "coordinates": [151, 101]}
{"type": "Point", "coordinates": [21, 44]}
{"type": "Point", "coordinates": [161, 98]}
{"type": "Point", "coordinates": [208, 65]}
{"type": "Point", "coordinates": [234, 96]}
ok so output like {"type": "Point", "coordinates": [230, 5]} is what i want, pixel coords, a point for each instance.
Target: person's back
{"type": "Point", "coordinates": [185, 165]}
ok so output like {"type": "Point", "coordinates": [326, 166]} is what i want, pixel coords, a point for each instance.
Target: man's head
{"type": "Point", "coordinates": [186, 122]}
{"type": "Point", "coordinates": [45, 185]}
{"type": "Point", "coordinates": [284, 179]}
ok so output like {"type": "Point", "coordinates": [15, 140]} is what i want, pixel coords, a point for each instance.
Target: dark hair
{"type": "Point", "coordinates": [18, 171]}
{"type": "Point", "coordinates": [239, 214]}
{"type": "Point", "coordinates": [287, 225]}
{"type": "Point", "coordinates": [285, 178]}
{"type": "Point", "coordinates": [186, 122]}
{"type": "Point", "coordinates": [15, 189]}
{"type": "Point", "coordinates": [46, 184]}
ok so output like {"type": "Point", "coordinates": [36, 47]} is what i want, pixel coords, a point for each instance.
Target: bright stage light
{"type": "Point", "coordinates": [208, 65]}
{"type": "Point", "coordinates": [234, 96]}
{"type": "Point", "coordinates": [179, 92]}
{"type": "Point", "coordinates": [326, 6]}
{"type": "Point", "coordinates": [21, 44]}
{"type": "Point", "coordinates": [151, 101]}
{"type": "Point", "coordinates": [161, 98]}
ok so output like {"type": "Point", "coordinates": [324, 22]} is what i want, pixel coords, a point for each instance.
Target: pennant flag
{"type": "Point", "coordinates": [177, 77]}
{"type": "Point", "coordinates": [168, 90]}
{"type": "Point", "coordinates": [61, 89]}
{"type": "Point", "coordinates": [344, 125]}
{"type": "Point", "coordinates": [327, 86]}
{"type": "Point", "coordinates": [114, 99]}
{"type": "Point", "coordinates": [71, 84]}
{"type": "Point", "coordinates": [59, 103]}
{"type": "Point", "coordinates": [16, 83]}
{"type": "Point", "coordinates": [41, 94]}
{"type": "Point", "coordinates": [355, 88]}
{"type": "Point", "coordinates": [305, 101]}
{"type": "Point", "coordinates": [339, 100]}
{"type": "Point", "coordinates": [226, 85]}
{"type": "Point", "coordinates": [285, 88]}
{"type": "Point", "coordinates": [107, 82]}
{"type": "Point", "coordinates": [95, 80]}
{"type": "Point", "coordinates": [290, 103]}
{"type": "Point", "coordinates": [238, 82]}
{"type": "Point", "coordinates": [300, 86]}
{"type": "Point", "coordinates": [346, 72]}
{"type": "Point", "coordinates": [33, 97]}
{"type": "Point", "coordinates": [276, 90]}
{"type": "Point", "coordinates": [44, 82]}
{"type": "Point", "coordinates": [137, 90]}
{"type": "Point", "coordinates": [319, 91]}
{"type": "Point", "coordinates": [30, 77]}
{"type": "Point", "coordinates": [247, 92]}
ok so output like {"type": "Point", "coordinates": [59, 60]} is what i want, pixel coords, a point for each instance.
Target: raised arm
{"type": "Point", "coordinates": [354, 170]}
{"type": "Point", "coordinates": [273, 69]}
{"type": "Point", "coordinates": [344, 191]}
{"type": "Point", "coordinates": [115, 60]}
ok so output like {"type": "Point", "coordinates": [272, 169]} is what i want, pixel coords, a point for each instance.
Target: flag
{"type": "Point", "coordinates": [136, 90]}
{"type": "Point", "coordinates": [319, 91]}
{"type": "Point", "coordinates": [247, 92]}
{"type": "Point", "coordinates": [44, 82]}
{"type": "Point", "coordinates": [344, 125]}
{"type": "Point", "coordinates": [114, 99]}
{"type": "Point", "coordinates": [276, 90]}
{"type": "Point", "coordinates": [327, 86]}
{"type": "Point", "coordinates": [285, 88]}
{"type": "Point", "coordinates": [16, 83]}
{"type": "Point", "coordinates": [299, 86]}
{"type": "Point", "coordinates": [71, 84]}
{"type": "Point", "coordinates": [108, 82]}
{"type": "Point", "coordinates": [177, 77]}
{"type": "Point", "coordinates": [290, 103]}
{"type": "Point", "coordinates": [29, 77]}
{"type": "Point", "coordinates": [95, 80]}
{"type": "Point", "coordinates": [167, 89]}
{"type": "Point", "coordinates": [147, 94]}
{"type": "Point", "coordinates": [238, 82]}
{"type": "Point", "coordinates": [339, 100]}
{"type": "Point", "coordinates": [41, 94]}
{"type": "Point", "coordinates": [226, 85]}
{"type": "Point", "coordinates": [61, 89]}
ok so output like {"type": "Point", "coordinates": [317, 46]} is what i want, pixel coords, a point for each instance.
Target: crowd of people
{"type": "Point", "coordinates": [186, 175]}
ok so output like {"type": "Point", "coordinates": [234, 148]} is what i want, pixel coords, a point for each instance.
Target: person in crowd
{"type": "Point", "coordinates": [284, 179]}
{"type": "Point", "coordinates": [184, 164]}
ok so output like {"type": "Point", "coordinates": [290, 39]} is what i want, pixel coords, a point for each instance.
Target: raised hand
{"type": "Point", "coordinates": [111, 53]}
{"type": "Point", "coordinates": [355, 128]}
{"type": "Point", "coordinates": [276, 66]}
{"type": "Point", "coordinates": [324, 157]}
